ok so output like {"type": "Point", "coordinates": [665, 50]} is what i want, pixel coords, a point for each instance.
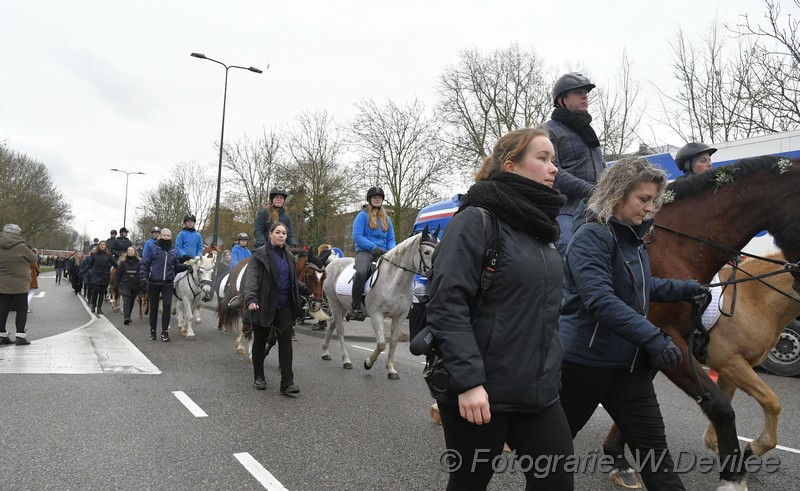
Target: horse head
{"type": "Point", "coordinates": [315, 275]}
{"type": "Point", "coordinates": [427, 244]}
{"type": "Point", "coordinates": [203, 274]}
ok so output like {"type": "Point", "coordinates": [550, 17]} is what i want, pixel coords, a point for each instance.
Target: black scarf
{"type": "Point", "coordinates": [580, 123]}
{"type": "Point", "coordinates": [522, 203]}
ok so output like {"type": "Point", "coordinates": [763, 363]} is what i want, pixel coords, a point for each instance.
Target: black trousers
{"type": "Point", "coordinates": [630, 399]}
{"type": "Point", "coordinates": [77, 282]}
{"type": "Point", "coordinates": [127, 304]}
{"type": "Point", "coordinates": [59, 272]}
{"type": "Point", "coordinates": [20, 303]}
{"type": "Point", "coordinates": [545, 433]}
{"type": "Point", "coordinates": [154, 291]}
{"type": "Point", "coordinates": [96, 295]}
{"type": "Point", "coordinates": [284, 318]}
{"type": "Point", "coordinates": [363, 261]}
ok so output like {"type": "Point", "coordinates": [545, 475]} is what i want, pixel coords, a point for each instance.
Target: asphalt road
{"type": "Point", "coordinates": [347, 429]}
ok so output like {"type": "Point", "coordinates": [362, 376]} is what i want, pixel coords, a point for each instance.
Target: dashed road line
{"type": "Point", "coordinates": [190, 404]}
{"type": "Point", "coordinates": [258, 471]}
{"type": "Point", "coordinates": [777, 447]}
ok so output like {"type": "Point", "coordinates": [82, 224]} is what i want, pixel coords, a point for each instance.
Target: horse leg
{"type": "Point", "coordinates": [397, 322]}
{"type": "Point", "coordinates": [380, 339]}
{"type": "Point", "coordinates": [197, 319]}
{"type": "Point", "coordinates": [189, 318]}
{"type": "Point", "coordinates": [622, 473]}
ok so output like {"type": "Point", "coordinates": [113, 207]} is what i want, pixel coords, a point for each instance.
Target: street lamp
{"type": "Point", "coordinates": [215, 237]}
{"type": "Point", "coordinates": [127, 175]}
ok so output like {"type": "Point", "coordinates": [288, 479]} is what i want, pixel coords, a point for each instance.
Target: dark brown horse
{"type": "Point", "coordinates": [713, 215]}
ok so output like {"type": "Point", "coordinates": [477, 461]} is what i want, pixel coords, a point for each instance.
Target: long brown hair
{"type": "Point", "coordinates": [510, 146]}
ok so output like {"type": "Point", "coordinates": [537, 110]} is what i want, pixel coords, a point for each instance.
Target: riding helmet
{"type": "Point", "coordinates": [688, 152]}
{"type": "Point", "coordinates": [570, 81]}
{"type": "Point", "coordinates": [113, 232]}
{"type": "Point", "coordinates": [189, 217]}
{"type": "Point", "coordinates": [123, 229]}
{"type": "Point", "coordinates": [242, 236]}
{"type": "Point", "coordinates": [275, 191]}
{"type": "Point", "coordinates": [155, 229]}
{"type": "Point", "coordinates": [375, 191]}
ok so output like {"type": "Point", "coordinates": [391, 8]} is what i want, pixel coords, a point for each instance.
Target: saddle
{"type": "Point", "coordinates": [344, 283]}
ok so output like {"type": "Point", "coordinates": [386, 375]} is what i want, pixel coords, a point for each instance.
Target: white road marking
{"type": "Point", "coordinates": [777, 447]}
{"type": "Point", "coordinates": [190, 404]}
{"type": "Point", "coordinates": [258, 471]}
{"type": "Point", "coordinates": [361, 347]}
{"type": "Point", "coordinates": [40, 294]}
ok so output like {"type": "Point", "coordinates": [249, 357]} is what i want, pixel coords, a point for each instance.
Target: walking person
{"type": "Point", "coordinates": [75, 278]}
{"type": "Point", "coordinates": [157, 270]}
{"type": "Point", "coordinates": [16, 261]}
{"type": "Point", "coordinates": [85, 273]}
{"type": "Point", "coordinates": [501, 349]}
{"type": "Point", "coordinates": [271, 294]}
{"type": "Point", "coordinates": [127, 282]}
{"type": "Point", "coordinates": [273, 213]}
{"type": "Point", "coordinates": [34, 281]}
{"type": "Point", "coordinates": [610, 348]}
{"type": "Point", "coordinates": [373, 235]}
{"type": "Point", "coordinates": [99, 268]}
{"type": "Point", "coordinates": [59, 265]}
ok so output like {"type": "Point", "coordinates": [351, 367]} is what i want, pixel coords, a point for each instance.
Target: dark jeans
{"type": "Point", "coordinates": [127, 304]}
{"type": "Point", "coordinates": [153, 292]}
{"type": "Point", "coordinates": [630, 399]}
{"type": "Point", "coordinates": [284, 318]}
{"type": "Point", "coordinates": [59, 272]}
{"type": "Point", "coordinates": [363, 261]}
{"type": "Point", "coordinates": [545, 433]}
{"type": "Point", "coordinates": [20, 302]}
{"type": "Point", "coordinates": [96, 295]}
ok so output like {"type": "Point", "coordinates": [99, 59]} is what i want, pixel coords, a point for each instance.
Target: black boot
{"type": "Point", "coordinates": [356, 314]}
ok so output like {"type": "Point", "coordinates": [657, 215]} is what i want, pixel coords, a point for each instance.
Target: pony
{"type": "Point", "coordinates": [389, 295]}
{"type": "Point", "coordinates": [192, 287]}
{"type": "Point", "coordinates": [312, 274]}
{"type": "Point", "coordinates": [711, 216]}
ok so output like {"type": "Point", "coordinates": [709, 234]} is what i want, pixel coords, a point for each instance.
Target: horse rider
{"type": "Point", "coordinates": [579, 158]}
{"type": "Point", "coordinates": [274, 212]}
{"type": "Point", "coordinates": [189, 243]}
{"type": "Point", "coordinates": [121, 244]}
{"type": "Point", "coordinates": [111, 243]}
{"type": "Point", "coordinates": [694, 158]}
{"type": "Point", "coordinates": [373, 235]}
{"type": "Point", "coordinates": [155, 233]}
{"type": "Point", "coordinates": [240, 250]}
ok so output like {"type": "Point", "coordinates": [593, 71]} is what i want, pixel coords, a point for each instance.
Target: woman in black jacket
{"type": "Point", "coordinates": [271, 294]}
{"type": "Point", "coordinates": [500, 347]}
{"type": "Point", "coordinates": [99, 268]}
{"type": "Point", "coordinates": [74, 267]}
{"type": "Point", "coordinates": [127, 282]}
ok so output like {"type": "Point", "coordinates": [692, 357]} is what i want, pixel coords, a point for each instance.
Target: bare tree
{"type": "Point", "coordinates": [402, 145]}
{"type": "Point", "coordinates": [619, 117]}
{"type": "Point", "coordinates": [315, 175]}
{"type": "Point", "coordinates": [198, 188]}
{"type": "Point", "coordinates": [484, 96]}
{"type": "Point", "coordinates": [163, 206]}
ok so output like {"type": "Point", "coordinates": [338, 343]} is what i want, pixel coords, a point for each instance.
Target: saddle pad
{"type": "Point", "coordinates": [241, 275]}
{"type": "Point", "coordinates": [711, 314]}
{"type": "Point", "coordinates": [223, 282]}
{"type": "Point", "coordinates": [344, 283]}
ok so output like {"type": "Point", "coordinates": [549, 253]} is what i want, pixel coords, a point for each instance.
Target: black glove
{"type": "Point", "coordinates": [189, 269]}
{"type": "Point", "coordinates": [143, 279]}
{"type": "Point", "coordinates": [377, 251]}
{"type": "Point", "coordinates": [702, 296]}
{"type": "Point", "coordinates": [669, 356]}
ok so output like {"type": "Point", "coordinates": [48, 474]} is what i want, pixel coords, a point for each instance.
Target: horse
{"type": "Point", "coordinates": [312, 273]}
{"type": "Point", "coordinates": [192, 287]}
{"type": "Point", "coordinates": [711, 216]}
{"type": "Point", "coordinates": [389, 295]}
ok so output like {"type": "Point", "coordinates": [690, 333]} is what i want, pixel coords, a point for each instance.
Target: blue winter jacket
{"type": "Point", "coordinates": [189, 243]}
{"type": "Point", "coordinates": [160, 266]}
{"type": "Point", "coordinates": [579, 166]}
{"type": "Point", "coordinates": [608, 288]}
{"type": "Point", "coordinates": [238, 253]}
{"type": "Point", "coordinates": [367, 239]}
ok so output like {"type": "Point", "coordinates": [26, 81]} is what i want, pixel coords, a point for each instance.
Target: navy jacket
{"type": "Point", "coordinates": [608, 288]}
{"type": "Point", "coordinates": [98, 266]}
{"type": "Point", "coordinates": [263, 225]}
{"type": "Point", "coordinates": [160, 266]}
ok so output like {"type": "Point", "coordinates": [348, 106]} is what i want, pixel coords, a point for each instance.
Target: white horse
{"type": "Point", "coordinates": [190, 289]}
{"type": "Point", "coordinates": [389, 294]}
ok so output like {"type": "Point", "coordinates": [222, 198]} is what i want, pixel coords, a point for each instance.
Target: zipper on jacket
{"type": "Point", "coordinates": [594, 333]}
{"type": "Point", "coordinates": [635, 354]}
{"type": "Point", "coordinates": [166, 258]}
{"type": "Point", "coordinates": [542, 347]}
{"type": "Point", "coordinates": [644, 280]}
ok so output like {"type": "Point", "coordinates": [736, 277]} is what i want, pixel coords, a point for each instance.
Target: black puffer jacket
{"type": "Point", "coordinates": [99, 267]}
{"type": "Point", "coordinates": [260, 285]}
{"type": "Point", "coordinates": [127, 278]}
{"type": "Point", "coordinates": [512, 347]}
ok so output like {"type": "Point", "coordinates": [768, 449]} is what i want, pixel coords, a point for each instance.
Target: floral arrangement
{"type": "Point", "coordinates": [723, 176]}
{"type": "Point", "coordinates": [668, 197]}
{"type": "Point", "coordinates": [783, 165]}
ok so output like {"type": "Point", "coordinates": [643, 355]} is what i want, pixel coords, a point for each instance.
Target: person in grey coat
{"type": "Point", "coordinates": [501, 347]}
{"type": "Point", "coordinates": [15, 280]}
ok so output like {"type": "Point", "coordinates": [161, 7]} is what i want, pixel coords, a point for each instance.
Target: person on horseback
{"type": "Point", "coordinates": [240, 250]}
{"type": "Point", "coordinates": [694, 158]}
{"type": "Point", "coordinates": [610, 347]}
{"type": "Point", "coordinates": [373, 235]}
{"type": "Point", "coordinates": [189, 243]}
{"type": "Point", "coordinates": [158, 270]}
{"type": "Point", "coordinates": [121, 244]}
{"type": "Point", "coordinates": [274, 212]}
{"type": "Point", "coordinates": [127, 282]}
{"type": "Point", "coordinates": [155, 233]}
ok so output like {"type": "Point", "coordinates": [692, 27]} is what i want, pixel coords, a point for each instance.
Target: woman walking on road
{"type": "Point", "coordinates": [99, 267]}
{"type": "Point", "coordinates": [127, 282]}
{"type": "Point", "coordinates": [157, 269]}
{"type": "Point", "coordinates": [74, 267]}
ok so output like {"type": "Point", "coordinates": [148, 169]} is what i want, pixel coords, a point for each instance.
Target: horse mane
{"type": "Point", "coordinates": [402, 246]}
{"type": "Point", "coordinates": [697, 183]}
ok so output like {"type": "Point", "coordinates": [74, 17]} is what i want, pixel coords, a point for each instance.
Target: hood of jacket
{"type": "Point", "coordinates": [7, 240]}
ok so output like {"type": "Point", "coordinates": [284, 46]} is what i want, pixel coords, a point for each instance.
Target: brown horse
{"type": "Point", "coordinates": [713, 215]}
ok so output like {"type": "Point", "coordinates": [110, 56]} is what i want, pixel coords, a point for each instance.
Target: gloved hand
{"type": "Point", "coordinates": [378, 251]}
{"type": "Point", "coordinates": [667, 356]}
{"type": "Point", "coordinates": [189, 269]}
{"type": "Point", "coordinates": [143, 279]}
{"type": "Point", "coordinates": [702, 296]}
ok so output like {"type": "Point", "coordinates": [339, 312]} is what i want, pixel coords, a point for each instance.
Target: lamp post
{"type": "Point", "coordinates": [127, 175]}
{"type": "Point", "coordinates": [83, 244]}
{"type": "Point", "coordinates": [215, 237]}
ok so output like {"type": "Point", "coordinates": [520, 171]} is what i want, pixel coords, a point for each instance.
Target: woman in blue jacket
{"type": "Point", "coordinates": [373, 235]}
{"type": "Point", "coordinates": [610, 348]}
{"type": "Point", "coordinates": [158, 270]}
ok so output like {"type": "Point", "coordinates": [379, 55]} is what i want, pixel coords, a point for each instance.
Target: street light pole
{"type": "Point", "coordinates": [215, 237]}
{"type": "Point", "coordinates": [127, 176]}
{"type": "Point", "coordinates": [83, 244]}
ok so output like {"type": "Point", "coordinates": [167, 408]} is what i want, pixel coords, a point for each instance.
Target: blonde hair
{"type": "Point", "coordinates": [376, 214]}
{"type": "Point", "coordinates": [272, 212]}
{"type": "Point", "coordinates": [166, 230]}
{"type": "Point", "coordinates": [510, 146]}
{"type": "Point", "coordinates": [618, 182]}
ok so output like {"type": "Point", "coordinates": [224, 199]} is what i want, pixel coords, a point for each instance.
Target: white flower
{"type": "Point", "coordinates": [783, 166]}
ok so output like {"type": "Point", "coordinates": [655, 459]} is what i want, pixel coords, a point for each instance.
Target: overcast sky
{"type": "Point", "coordinates": [87, 86]}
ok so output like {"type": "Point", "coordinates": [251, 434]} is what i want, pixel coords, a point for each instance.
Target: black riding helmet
{"type": "Point", "coordinates": [189, 216]}
{"type": "Point", "coordinates": [688, 152]}
{"type": "Point", "coordinates": [375, 191]}
{"type": "Point", "coordinates": [155, 229]}
{"type": "Point", "coordinates": [275, 191]}
{"type": "Point", "coordinates": [242, 236]}
{"type": "Point", "coordinates": [570, 81]}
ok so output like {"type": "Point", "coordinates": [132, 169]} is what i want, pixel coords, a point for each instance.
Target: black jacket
{"type": "Point", "coordinates": [260, 285]}
{"type": "Point", "coordinates": [263, 224]}
{"type": "Point", "coordinates": [121, 245]}
{"type": "Point", "coordinates": [99, 266]}
{"type": "Point", "coordinates": [127, 281]}
{"type": "Point", "coordinates": [511, 347]}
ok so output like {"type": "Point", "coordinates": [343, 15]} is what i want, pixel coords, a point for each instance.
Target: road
{"type": "Point", "coordinates": [93, 405]}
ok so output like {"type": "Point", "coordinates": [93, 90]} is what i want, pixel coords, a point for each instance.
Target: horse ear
{"type": "Point", "coordinates": [426, 234]}
{"type": "Point", "coordinates": [436, 233]}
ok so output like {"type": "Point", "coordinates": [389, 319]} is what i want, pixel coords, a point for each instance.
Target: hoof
{"type": "Point", "coordinates": [506, 448]}
{"type": "Point", "coordinates": [348, 366]}
{"type": "Point", "coordinates": [626, 478]}
{"type": "Point", "coordinates": [367, 367]}
{"type": "Point", "coordinates": [394, 376]}
{"type": "Point", "coordinates": [190, 337]}
{"type": "Point", "coordinates": [326, 357]}
{"type": "Point", "coordinates": [198, 321]}
{"type": "Point", "coordinates": [239, 351]}
{"type": "Point", "coordinates": [434, 412]}
{"type": "Point", "coordinates": [732, 486]}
